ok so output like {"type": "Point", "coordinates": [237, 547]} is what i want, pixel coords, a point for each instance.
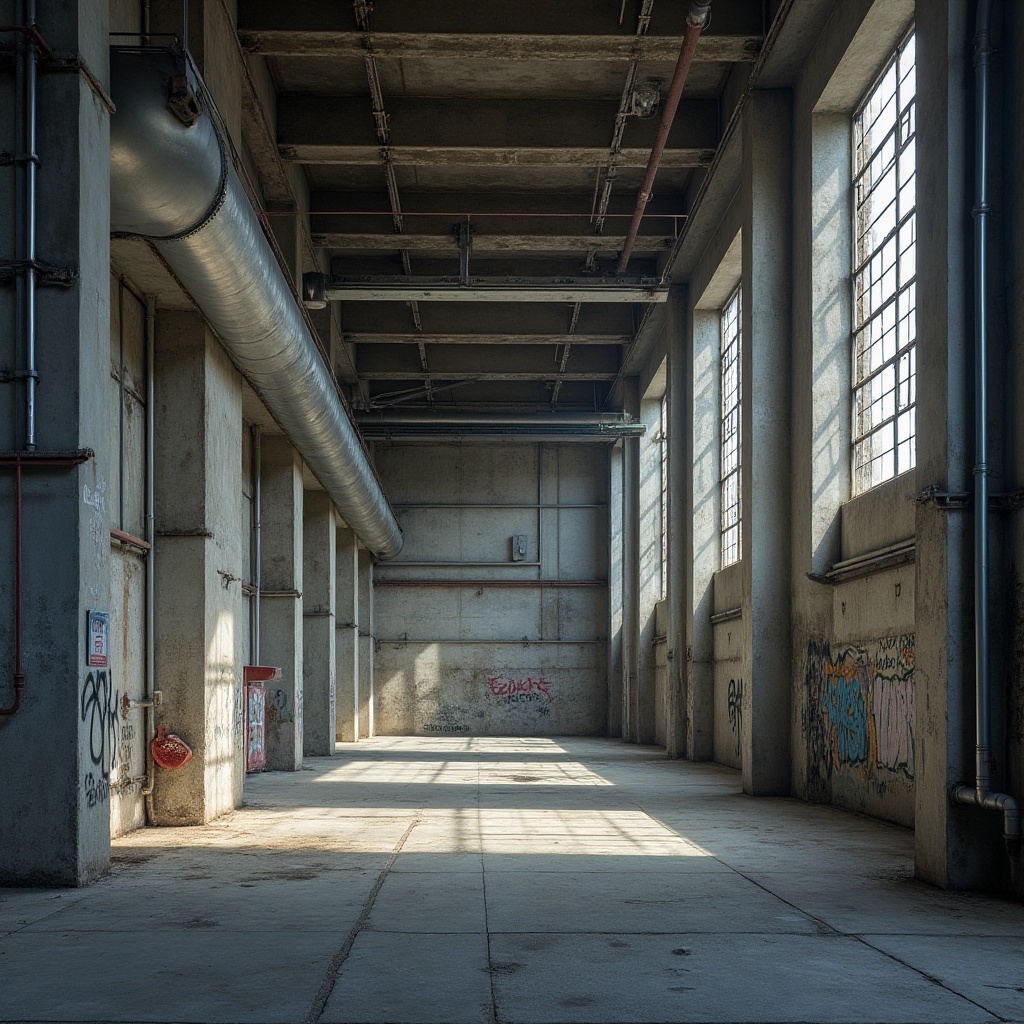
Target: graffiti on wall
{"type": "Point", "coordinates": [736, 712]}
{"type": "Point", "coordinates": [99, 712]}
{"type": "Point", "coordinates": [861, 706]}
{"type": "Point", "coordinates": [519, 691]}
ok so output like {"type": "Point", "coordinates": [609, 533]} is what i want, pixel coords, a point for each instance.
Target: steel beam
{"type": "Point", "coordinates": [398, 338]}
{"type": "Point", "coordinates": [321, 288]}
{"type": "Point", "coordinates": [485, 132]}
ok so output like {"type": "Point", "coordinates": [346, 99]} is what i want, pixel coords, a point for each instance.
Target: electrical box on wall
{"type": "Point", "coordinates": [520, 546]}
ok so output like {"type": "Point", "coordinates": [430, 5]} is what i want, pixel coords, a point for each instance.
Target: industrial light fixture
{"type": "Point", "coordinates": [645, 99]}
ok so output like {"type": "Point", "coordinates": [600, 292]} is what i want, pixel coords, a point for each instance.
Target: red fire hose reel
{"type": "Point", "coordinates": [169, 751]}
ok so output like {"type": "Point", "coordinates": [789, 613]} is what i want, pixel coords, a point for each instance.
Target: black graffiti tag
{"type": "Point", "coordinates": [99, 709]}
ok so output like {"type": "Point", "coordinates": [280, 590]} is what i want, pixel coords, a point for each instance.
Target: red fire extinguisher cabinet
{"type": "Point", "coordinates": [253, 678]}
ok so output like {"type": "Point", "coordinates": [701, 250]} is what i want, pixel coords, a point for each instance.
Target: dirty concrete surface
{"type": "Point", "coordinates": [511, 881]}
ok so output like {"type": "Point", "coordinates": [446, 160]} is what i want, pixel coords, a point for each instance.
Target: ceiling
{"type": "Point", "coordinates": [408, 119]}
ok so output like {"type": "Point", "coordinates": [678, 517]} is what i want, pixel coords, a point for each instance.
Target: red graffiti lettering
{"type": "Point", "coordinates": [510, 688]}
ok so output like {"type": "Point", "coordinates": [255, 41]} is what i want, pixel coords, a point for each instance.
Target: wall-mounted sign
{"type": "Point", "coordinates": [97, 639]}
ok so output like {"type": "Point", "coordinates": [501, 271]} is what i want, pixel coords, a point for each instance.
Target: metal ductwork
{"type": "Point", "coordinates": [410, 424]}
{"type": "Point", "coordinates": [172, 182]}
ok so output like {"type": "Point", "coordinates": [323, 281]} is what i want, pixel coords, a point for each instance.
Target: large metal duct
{"type": "Point", "coordinates": [171, 181]}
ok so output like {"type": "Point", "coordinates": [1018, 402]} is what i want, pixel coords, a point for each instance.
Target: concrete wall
{"type": "Point", "coordinates": [128, 563]}
{"type": "Point", "coordinates": [469, 641]}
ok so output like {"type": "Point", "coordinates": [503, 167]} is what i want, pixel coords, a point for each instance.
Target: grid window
{"type": "Point", "coordinates": [730, 452]}
{"type": "Point", "coordinates": [884, 276]}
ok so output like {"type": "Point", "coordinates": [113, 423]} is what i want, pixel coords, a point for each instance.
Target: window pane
{"type": "Point", "coordinates": [885, 268]}
{"type": "Point", "coordinates": [731, 422]}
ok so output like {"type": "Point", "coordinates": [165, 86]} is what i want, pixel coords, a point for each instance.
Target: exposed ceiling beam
{"type": "Point", "coordinates": [320, 288]}
{"type": "Point", "coordinates": [511, 362]}
{"type": "Point", "coordinates": [485, 339]}
{"type": "Point", "coordinates": [592, 30]}
{"type": "Point", "coordinates": [452, 46]}
{"type": "Point", "coordinates": [513, 375]}
{"type": "Point", "coordinates": [482, 244]}
{"type": "Point", "coordinates": [431, 132]}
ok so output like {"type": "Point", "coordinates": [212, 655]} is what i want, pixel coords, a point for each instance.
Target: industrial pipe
{"type": "Point", "coordinates": [695, 22]}
{"type": "Point", "coordinates": [172, 182]}
{"type": "Point", "coordinates": [981, 794]}
{"type": "Point", "coordinates": [26, 162]}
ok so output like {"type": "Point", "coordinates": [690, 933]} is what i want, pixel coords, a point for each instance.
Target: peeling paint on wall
{"type": "Point", "coordinates": [860, 710]}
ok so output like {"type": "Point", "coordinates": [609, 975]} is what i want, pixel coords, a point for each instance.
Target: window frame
{"type": "Point", "coordinates": [730, 529]}
{"type": "Point", "coordinates": [896, 406]}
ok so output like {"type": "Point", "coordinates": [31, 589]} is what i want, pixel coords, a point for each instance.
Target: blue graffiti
{"type": "Point", "coordinates": [846, 709]}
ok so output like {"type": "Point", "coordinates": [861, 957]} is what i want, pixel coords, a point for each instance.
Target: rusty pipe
{"type": "Point", "coordinates": [695, 23]}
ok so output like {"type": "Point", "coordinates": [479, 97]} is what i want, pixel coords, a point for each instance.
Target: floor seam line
{"type": "Point", "coordinates": [493, 1014]}
{"type": "Point", "coordinates": [330, 978]}
{"type": "Point", "coordinates": [822, 923]}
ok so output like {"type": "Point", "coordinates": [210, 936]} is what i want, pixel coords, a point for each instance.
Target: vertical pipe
{"type": "Point", "coordinates": [150, 669]}
{"type": "Point", "coordinates": [28, 154]}
{"type": "Point", "coordinates": [257, 513]}
{"type": "Point", "coordinates": [981, 210]}
{"type": "Point", "coordinates": [981, 794]}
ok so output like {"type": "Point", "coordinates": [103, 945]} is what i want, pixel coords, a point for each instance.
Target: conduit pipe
{"type": "Point", "coordinates": [980, 794]}
{"type": "Point", "coordinates": [171, 181]}
{"type": "Point", "coordinates": [696, 20]}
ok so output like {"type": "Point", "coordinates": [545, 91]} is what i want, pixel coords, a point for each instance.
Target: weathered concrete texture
{"type": "Point", "coordinates": [199, 546]}
{"type": "Point", "coordinates": [1013, 588]}
{"type": "Point", "coordinates": [954, 844]}
{"type": "Point", "coordinates": [58, 750]}
{"type": "Point", "coordinates": [466, 880]}
{"type": "Point", "coordinates": [516, 689]}
{"type": "Point", "coordinates": [281, 633]}
{"type": "Point", "coordinates": [765, 431]}
{"type": "Point", "coordinates": [347, 637]}
{"type": "Point", "coordinates": [366, 636]}
{"type": "Point", "coordinates": [470, 640]}
{"type": "Point", "coordinates": [631, 684]}
{"type": "Point", "coordinates": [730, 665]}
{"type": "Point", "coordinates": [319, 668]}
{"type": "Point", "coordinates": [128, 565]}
{"type": "Point", "coordinates": [614, 518]}
{"type": "Point", "coordinates": [652, 449]}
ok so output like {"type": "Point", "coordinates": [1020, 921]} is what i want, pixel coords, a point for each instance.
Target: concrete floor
{"type": "Point", "coordinates": [511, 882]}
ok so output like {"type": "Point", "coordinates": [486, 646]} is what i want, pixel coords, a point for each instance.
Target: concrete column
{"type": "Point", "coordinates": [366, 644]}
{"type": "Point", "coordinates": [615, 676]}
{"type": "Point", "coordinates": [57, 751]}
{"type": "Point", "coordinates": [347, 637]}
{"type": "Point", "coordinates": [200, 552]}
{"type": "Point", "coordinates": [649, 571]}
{"type": "Point", "coordinates": [281, 610]}
{"type": "Point", "coordinates": [319, 536]}
{"type": "Point", "coordinates": [955, 846]}
{"type": "Point", "coordinates": [631, 572]}
{"type": "Point", "coordinates": [680, 454]}
{"type": "Point", "coordinates": [703, 515]}
{"type": "Point", "coordinates": [766, 470]}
